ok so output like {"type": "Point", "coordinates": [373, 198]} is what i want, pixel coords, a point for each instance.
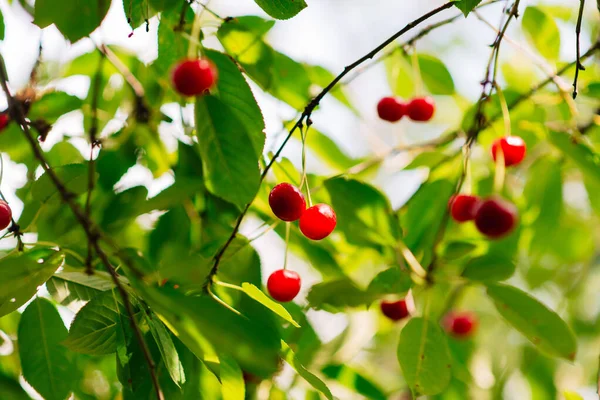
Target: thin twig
{"type": "Point", "coordinates": [580, 66]}
{"type": "Point", "coordinates": [91, 231]}
{"type": "Point", "coordinates": [131, 80]}
{"type": "Point", "coordinates": [305, 117]}
{"type": "Point", "coordinates": [95, 93]}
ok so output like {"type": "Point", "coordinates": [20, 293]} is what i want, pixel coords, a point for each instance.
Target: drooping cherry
{"type": "Point", "coordinates": [513, 149]}
{"type": "Point", "coordinates": [287, 202]}
{"type": "Point", "coordinates": [395, 310]}
{"type": "Point", "coordinates": [496, 217]}
{"type": "Point", "coordinates": [463, 207]}
{"type": "Point", "coordinates": [284, 285]}
{"type": "Point", "coordinates": [4, 120]}
{"type": "Point", "coordinates": [318, 222]}
{"type": "Point", "coordinates": [421, 109]}
{"type": "Point", "coordinates": [391, 109]}
{"type": "Point", "coordinates": [194, 77]}
{"type": "Point", "coordinates": [5, 215]}
{"type": "Point", "coordinates": [460, 324]}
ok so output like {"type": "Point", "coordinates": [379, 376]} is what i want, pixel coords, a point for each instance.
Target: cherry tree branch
{"type": "Point", "coordinates": [91, 231]}
{"type": "Point", "coordinates": [580, 66]}
{"type": "Point", "coordinates": [305, 118]}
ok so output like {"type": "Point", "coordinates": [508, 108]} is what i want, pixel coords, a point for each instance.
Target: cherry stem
{"type": "Point", "coordinates": [505, 111]}
{"type": "Point", "coordinates": [304, 134]}
{"type": "Point", "coordinates": [287, 244]}
{"type": "Point", "coordinates": [221, 302]}
{"type": "Point", "coordinates": [194, 44]}
{"type": "Point", "coordinates": [419, 90]}
{"type": "Point", "coordinates": [500, 170]}
{"type": "Point", "coordinates": [467, 168]}
{"type": "Point", "coordinates": [228, 285]}
{"type": "Point", "coordinates": [411, 260]}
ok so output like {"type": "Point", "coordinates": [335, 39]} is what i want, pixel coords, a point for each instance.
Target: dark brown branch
{"type": "Point", "coordinates": [88, 226]}
{"type": "Point", "coordinates": [305, 118]}
{"type": "Point", "coordinates": [580, 66]}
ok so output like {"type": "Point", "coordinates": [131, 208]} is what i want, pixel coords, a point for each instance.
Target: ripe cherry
{"type": "Point", "coordinates": [284, 285]}
{"type": "Point", "coordinates": [395, 310]}
{"type": "Point", "coordinates": [4, 120]}
{"type": "Point", "coordinates": [287, 202]}
{"type": "Point", "coordinates": [496, 217]}
{"type": "Point", "coordinates": [513, 149]}
{"type": "Point", "coordinates": [5, 215]}
{"type": "Point", "coordinates": [391, 109]}
{"type": "Point", "coordinates": [194, 77]}
{"type": "Point", "coordinates": [318, 222]}
{"type": "Point", "coordinates": [460, 324]}
{"type": "Point", "coordinates": [463, 207]}
{"type": "Point", "coordinates": [421, 109]}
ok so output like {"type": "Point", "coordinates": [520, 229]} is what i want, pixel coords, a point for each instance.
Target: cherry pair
{"type": "Point", "coordinates": [494, 216]}
{"type": "Point", "coordinates": [5, 215]}
{"type": "Point", "coordinates": [392, 109]}
{"type": "Point", "coordinates": [288, 204]}
{"type": "Point", "coordinates": [193, 77]}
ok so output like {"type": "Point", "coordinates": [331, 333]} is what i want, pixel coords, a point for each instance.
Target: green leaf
{"type": "Point", "coordinates": [45, 362]}
{"type": "Point", "coordinates": [390, 281]}
{"type": "Point", "coordinates": [364, 213]}
{"type": "Point", "coordinates": [426, 159]}
{"type": "Point", "coordinates": [138, 12]}
{"type": "Point", "coordinates": [336, 295]}
{"type": "Point", "coordinates": [90, 14]}
{"type": "Point", "coordinates": [466, 6]}
{"type": "Point", "coordinates": [234, 91]}
{"type": "Point", "coordinates": [262, 298]}
{"type": "Point", "coordinates": [424, 357]}
{"type": "Point", "coordinates": [22, 274]}
{"type": "Point", "coordinates": [2, 26]}
{"type": "Point", "coordinates": [10, 389]}
{"type": "Point", "coordinates": [584, 157]}
{"type": "Point", "coordinates": [457, 249]}
{"type": "Point", "coordinates": [123, 207]}
{"type": "Point", "coordinates": [232, 380]}
{"type": "Point", "coordinates": [541, 30]}
{"type": "Point", "coordinates": [491, 267]}
{"type": "Point", "coordinates": [65, 292]}
{"type": "Point", "coordinates": [281, 9]}
{"type": "Point", "coordinates": [167, 350]}
{"type": "Point", "coordinates": [354, 381]}
{"type": "Point", "coordinates": [329, 151]}
{"type": "Point", "coordinates": [73, 176]}
{"type": "Point", "coordinates": [542, 326]}
{"type": "Point", "coordinates": [228, 156]}
{"type": "Point", "coordinates": [94, 329]}
{"type": "Point", "coordinates": [435, 75]}
{"type": "Point", "coordinates": [289, 356]}
{"type": "Point", "coordinates": [53, 105]}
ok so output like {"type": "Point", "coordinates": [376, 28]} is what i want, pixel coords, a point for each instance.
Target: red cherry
{"type": "Point", "coordinates": [421, 109]}
{"type": "Point", "coordinates": [391, 109]}
{"type": "Point", "coordinates": [5, 215]}
{"type": "Point", "coordinates": [513, 149]}
{"type": "Point", "coordinates": [287, 202]}
{"type": "Point", "coordinates": [284, 285]}
{"type": "Point", "coordinates": [463, 207]}
{"type": "Point", "coordinates": [318, 222]}
{"type": "Point", "coordinates": [496, 217]}
{"type": "Point", "coordinates": [4, 120]}
{"type": "Point", "coordinates": [460, 324]}
{"type": "Point", "coordinates": [194, 77]}
{"type": "Point", "coordinates": [395, 310]}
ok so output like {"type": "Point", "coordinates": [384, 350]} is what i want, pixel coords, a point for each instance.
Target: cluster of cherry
{"type": "Point", "coordinates": [493, 216]}
{"type": "Point", "coordinates": [316, 222]}
{"type": "Point", "coordinates": [392, 109]}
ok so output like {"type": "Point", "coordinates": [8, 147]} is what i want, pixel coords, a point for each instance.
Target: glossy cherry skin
{"type": "Point", "coordinates": [284, 285]}
{"type": "Point", "coordinates": [4, 120]}
{"type": "Point", "coordinates": [496, 217]}
{"type": "Point", "coordinates": [391, 109]}
{"type": "Point", "coordinates": [395, 310]}
{"type": "Point", "coordinates": [463, 207]}
{"type": "Point", "coordinates": [194, 77]}
{"type": "Point", "coordinates": [421, 109]}
{"type": "Point", "coordinates": [318, 222]}
{"type": "Point", "coordinates": [460, 324]}
{"type": "Point", "coordinates": [5, 215]}
{"type": "Point", "coordinates": [287, 202]}
{"type": "Point", "coordinates": [513, 149]}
